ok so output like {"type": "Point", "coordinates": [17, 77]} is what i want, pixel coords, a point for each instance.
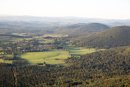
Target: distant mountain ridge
{"type": "Point", "coordinates": [67, 20]}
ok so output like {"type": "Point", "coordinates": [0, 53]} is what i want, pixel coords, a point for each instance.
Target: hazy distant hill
{"type": "Point", "coordinates": [116, 36]}
{"type": "Point", "coordinates": [88, 27]}
{"type": "Point", "coordinates": [66, 20]}
{"type": "Point", "coordinates": [82, 29]}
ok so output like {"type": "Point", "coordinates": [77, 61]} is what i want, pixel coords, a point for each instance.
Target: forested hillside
{"type": "Point", "coordinates": [114, 37]}
{"type": "Point", "coordinates": [102, 69]}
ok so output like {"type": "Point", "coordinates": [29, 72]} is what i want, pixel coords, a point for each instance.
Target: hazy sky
{"type": "Point", "coordinates": [113, 9]}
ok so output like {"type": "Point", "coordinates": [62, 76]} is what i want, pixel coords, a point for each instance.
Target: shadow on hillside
{"type": "Point", "coordinates": [17, 60]}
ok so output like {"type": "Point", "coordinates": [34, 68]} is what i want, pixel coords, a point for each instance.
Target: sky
{"type": "Point", "coordinates": [106, 9]}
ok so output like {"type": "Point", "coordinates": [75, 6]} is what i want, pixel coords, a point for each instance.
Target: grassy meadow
{"type": "Point", "coordinates": [50, 57]}
{"type": "Point", "coordinates": [55, 56]}
{"type": "Point", "coordinates": [5, 61]}
{"type": "Point", "coordinates": [81, 50]}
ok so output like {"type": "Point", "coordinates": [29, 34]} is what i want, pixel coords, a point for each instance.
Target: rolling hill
{"type": "Point", "coordinates": [114, 37]}
{"type": "Point", "coordinates": [91, 27]}
{"type": "Point", "coordinates": [80, 30]}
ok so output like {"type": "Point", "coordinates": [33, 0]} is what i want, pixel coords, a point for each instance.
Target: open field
{"type": "Point", "coordinates": [55, 56]}
{"type": "Point", "coordinates": [5, 61]}
{"type": "Point", "coordinates": [55, 35]}
{"type": "Point", "coordinates": [46, 41]}
{"type": "Point", "coordinates": [81, 50]}
{"type": "Point", "coordinates": [50, 57]}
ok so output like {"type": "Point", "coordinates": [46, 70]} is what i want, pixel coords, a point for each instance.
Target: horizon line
{"type": "Point", "coordinates": [65, 17]}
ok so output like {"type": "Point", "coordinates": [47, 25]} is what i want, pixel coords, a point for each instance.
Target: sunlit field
{"type": "Point", "coordinates": [81, 50]}
{"type": "Point", "coordinates": [55, 56]}
{"type": "Point", "coordinates": [50, 57]}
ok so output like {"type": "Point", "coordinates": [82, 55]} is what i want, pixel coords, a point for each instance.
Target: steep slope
{"type": "Point", "coordinates": [114, 37]}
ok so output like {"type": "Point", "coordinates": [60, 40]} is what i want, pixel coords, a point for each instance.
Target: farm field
{"type": "Point", "coordinates": [81, 50]}
{"type": "Point", "coordinates": [50, 57]}
{"type": "Point", "coordinates": [5, 61]}
{"type": "Point", "coordinates": [55, 56]}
